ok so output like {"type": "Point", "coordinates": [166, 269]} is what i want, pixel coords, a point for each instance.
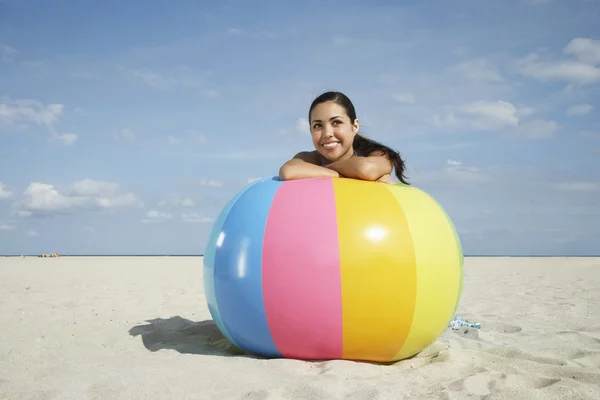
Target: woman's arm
{"type": "Point", "coordinates": [387, 178]}
{"type": "Point", "coordinates": [369, 168]}
{"type": "Point", "coordinates": [303, 166]}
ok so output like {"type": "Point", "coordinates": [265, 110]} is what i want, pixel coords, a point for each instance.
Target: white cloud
{"type": "Point", "coordinates": [4, 227]}
{"type": "Point", "coordinates": [580, 109]}
{"type": "Point", "coordinates": [579, 186]}
{"type": "Point", "coordinates": [210, 182]}
{"type": "Point", "coordinates": [302, 125]}
{"type": "Point", "coordinates": [479, 69]}
{"type": "Point", "coordinates": [182, 77]}
{"type": "Point", "coordinates": [454, 172]}
{"type": "Point", "coordinates": [85, 194]}
{"type": "Point", "coordinates": [4, 193]}
{"type": "Point", "coordinates": [66, 138]}
{"type": "Point", "coordinates": [24, 110]}
{"type": "Point", "coordinates": [32, 233]}
{"type": "Point", "coordinates": [154, 79]}
{"type": "Point", "coordinates": [482, 115]}
{"type": "Point", "coordinates": [125, 134]}
{"type": "Point", "coordinates": [581, 71]}
{"type": "Point", "coordinates": [172, 200]}
{"type": "Point", "coordinates": [585, 49]}
{"type": "Point", "coordinates": [492, 115]}
{"type": "Point", "coordinates": [7, 53]}
{"type": "Point", "coordinates": [156, 216]}
{"type": "Point", "coordinates": [80, 111]}
{"type": "Point", "coordinates": [44, 197]}
{"type": "Point", "coordinates": [407, 98]}
{"type": "Point", "coordinates": [497, 116]}
{"type": "Point", "coordinates": [525, 111]}
{"type": "Point", "coordinates": [19, 113]}
{"type": "Point", "coordinates": [187, 202]}
{"type": "Point", "coordinates": [195, 218]}
{"type": "Point", "coordinates": [89, 187]}
{"type": "Point", "coordinates": [176, 200]}
{"type": "Point", "coordinates": [246, 155]}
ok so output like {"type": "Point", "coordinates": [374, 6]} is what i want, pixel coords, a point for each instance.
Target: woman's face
{"type": "Point", "coordinates": [332, 131]}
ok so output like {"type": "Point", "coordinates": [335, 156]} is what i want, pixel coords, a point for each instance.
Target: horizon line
{"type": "Point", "coordinates": [202, 255]}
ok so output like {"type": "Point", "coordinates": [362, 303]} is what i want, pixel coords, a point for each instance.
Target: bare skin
{"type": "Point", "coordinates": [307, 164]}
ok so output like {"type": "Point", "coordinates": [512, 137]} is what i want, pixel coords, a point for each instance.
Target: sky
{"type": "Point", "coordinates": [125, 127]}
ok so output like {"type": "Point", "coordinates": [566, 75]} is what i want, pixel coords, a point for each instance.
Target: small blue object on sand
{"type": "Point", "coordinates": [457, 323]}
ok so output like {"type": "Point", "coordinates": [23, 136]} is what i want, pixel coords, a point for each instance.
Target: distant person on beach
{"type": "Point", "coordinates": [340, 151]}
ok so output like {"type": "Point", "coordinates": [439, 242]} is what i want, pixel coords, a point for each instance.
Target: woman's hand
{"type": "Point", "coordinates": [365, 168]}
{"type": "Point", "coordinates": [302, 166]}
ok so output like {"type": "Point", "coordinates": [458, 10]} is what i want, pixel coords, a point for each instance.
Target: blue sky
{"type": "Point", "coordinates": [125, 127]}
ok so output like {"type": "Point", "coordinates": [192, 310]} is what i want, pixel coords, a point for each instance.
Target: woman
{"type": "Point", "coordinates": [340, 151]}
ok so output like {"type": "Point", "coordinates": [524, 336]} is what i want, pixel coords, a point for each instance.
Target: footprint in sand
{"type": "Point", "coordinates": [519, 354]}
{"type": "Point", "coordinates": [302, 391]}
{"type": "Point", "coordinates": [483, 382]}
{"type": "Point", "coordinates": [530, 382]}
{"type": "Point", "coordinates": [255, 395]}
{"type": "Point", "coordinates": [363, 394]}
{"type": "Point", "coordinates": [505, 328]}
{"type": "Point", "coordinates": [35, 395]}
{"type": "Point", "coordinates": [435, 353]}
{"type": "Point", "coordinates": [587, 338]}
{"type": "Point", "coordinates": [478, 382]}
{"type": "Point", "coordinates": [105, 390]}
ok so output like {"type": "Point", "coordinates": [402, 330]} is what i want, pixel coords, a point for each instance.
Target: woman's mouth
{"type": "Point", "coordinates": [330, 145]}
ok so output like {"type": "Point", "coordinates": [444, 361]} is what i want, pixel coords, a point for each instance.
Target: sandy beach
{"type": "Point", "coordinates": [139, 328]}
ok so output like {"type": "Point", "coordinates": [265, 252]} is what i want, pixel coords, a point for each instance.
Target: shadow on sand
{"type": "Point", "coordinates": [189, 337]}
{"type": "Point", "coordinates": [185, 336]}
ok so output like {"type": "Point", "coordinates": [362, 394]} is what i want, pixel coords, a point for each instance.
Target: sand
{"type": "Point", "coordinates": [139, 328]}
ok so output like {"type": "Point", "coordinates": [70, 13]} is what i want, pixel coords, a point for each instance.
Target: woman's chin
{"type": "Point", "coordinates": [332, 155]}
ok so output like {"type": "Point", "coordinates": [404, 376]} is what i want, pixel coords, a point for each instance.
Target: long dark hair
{"type": "Point", "coordinates": [362, 145]}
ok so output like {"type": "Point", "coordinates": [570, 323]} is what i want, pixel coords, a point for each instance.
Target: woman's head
{"type": "Point", "coordinates": [334, 129]}
{"type": "Point", "coordinates": [333, 125]}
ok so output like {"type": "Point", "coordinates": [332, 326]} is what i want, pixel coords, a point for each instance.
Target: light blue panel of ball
{"type": "Point", "coordinates": [238, 270]}
{"type": "Point", "coordinates": [209, 263]}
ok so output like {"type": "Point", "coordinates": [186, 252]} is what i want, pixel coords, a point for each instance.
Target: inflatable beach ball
{"type": "Point", "coordinates": [321, 269]}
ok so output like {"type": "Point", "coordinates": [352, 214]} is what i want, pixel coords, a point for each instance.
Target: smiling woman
{"type": "Point", "coordinates": [340, 151]}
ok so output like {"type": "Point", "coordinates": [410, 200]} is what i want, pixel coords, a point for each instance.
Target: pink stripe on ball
{"type": "Point", "coordinates": [301, 271]}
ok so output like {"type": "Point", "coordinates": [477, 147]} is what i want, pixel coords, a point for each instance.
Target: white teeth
{"type": "Point", "coordinates": [330, 145]}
